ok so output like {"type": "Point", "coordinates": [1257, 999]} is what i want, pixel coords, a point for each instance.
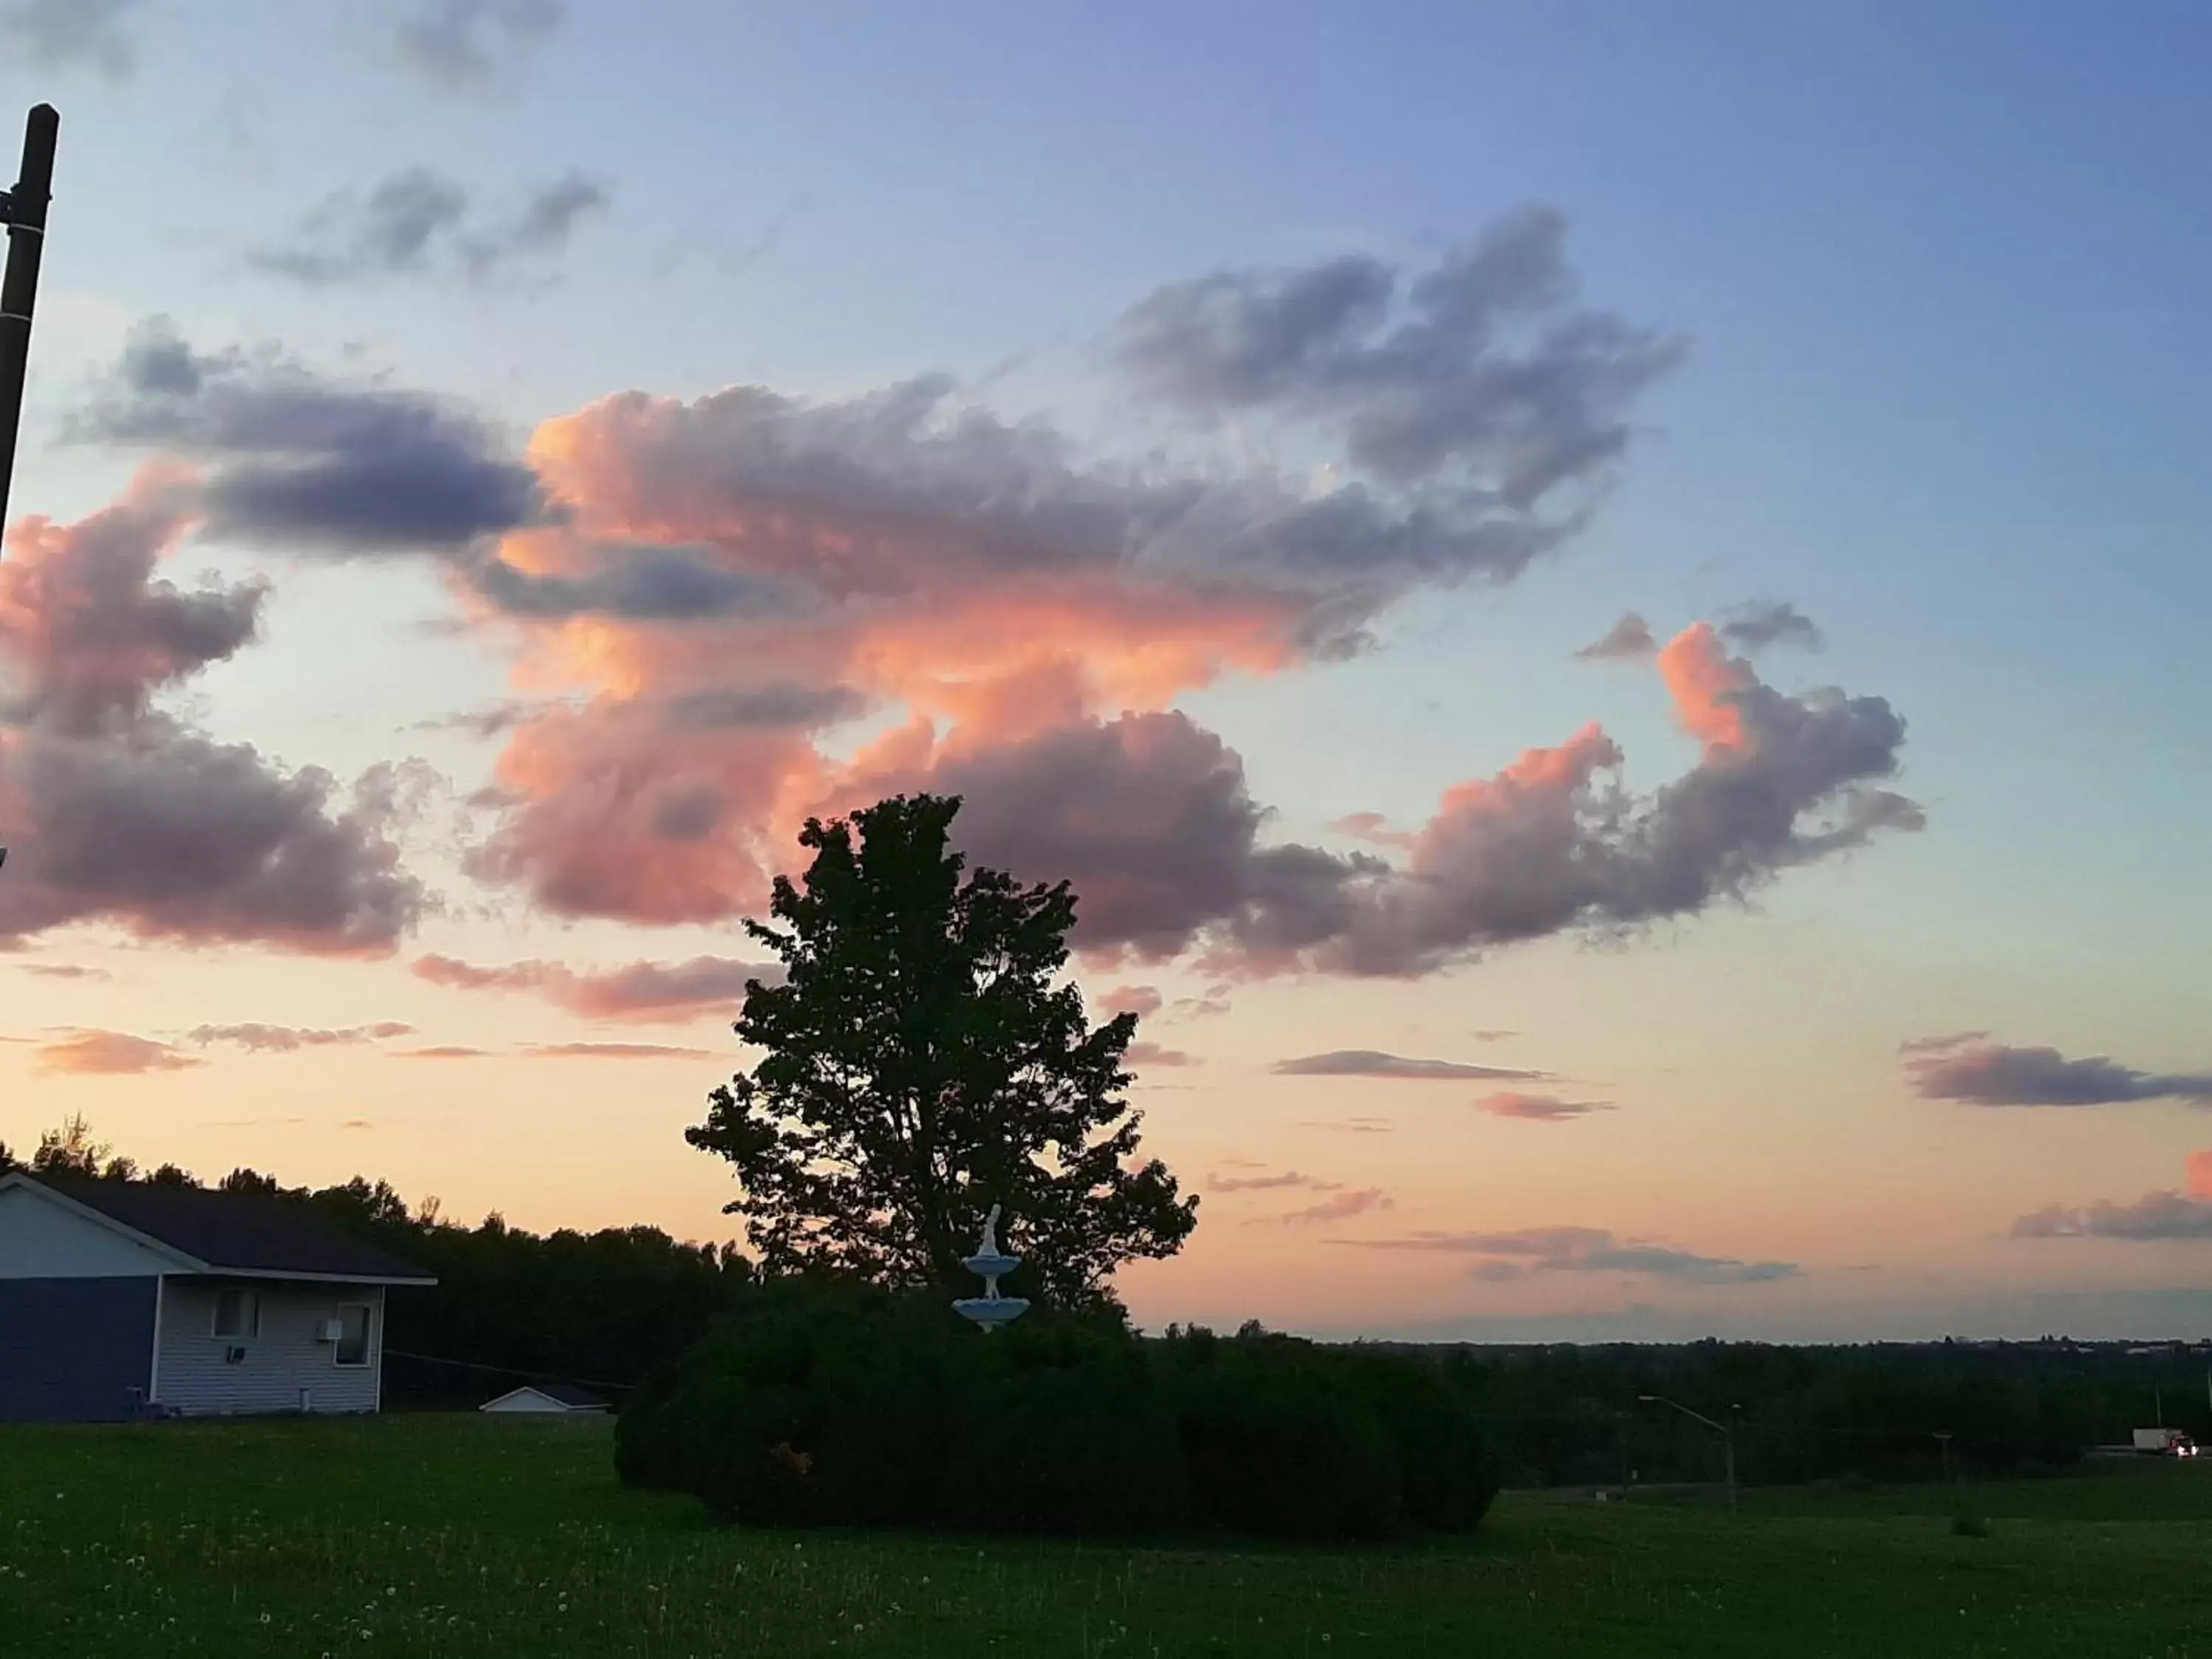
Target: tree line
{"type": "Point", "coordinates": [1885, 1411]}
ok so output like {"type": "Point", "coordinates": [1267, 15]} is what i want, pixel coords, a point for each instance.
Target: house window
{"type": "Point", "coordinates": [237, 1314]}
{"type": "Point", "coordinates": [353, 1336]}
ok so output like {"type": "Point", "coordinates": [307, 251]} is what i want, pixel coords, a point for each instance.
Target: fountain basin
{"type": "Point", "coordinates": [992, 1311]}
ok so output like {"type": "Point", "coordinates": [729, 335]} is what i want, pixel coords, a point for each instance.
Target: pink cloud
{"type": "Point", "coordinates": [642, 991]}
{"type": "Point", "coordinates": [1339, 1206]}
{"type": "Point", "coordinates": [1151, 1054]}
{"type": "Point", "coordinates": [111, 1053]}
{"type": "Point", "coordinates": [1542, 1109]}
{"type": "Point", "coordinates": [1140, 1000]}
{"type": "Point", "coordinates": [2199, 1167]}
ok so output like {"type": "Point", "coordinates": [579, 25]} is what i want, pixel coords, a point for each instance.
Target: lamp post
{"type": "Point", "coordinates": [1725, 1431]}
{"type": "Point", "coordinates": [23, 210]}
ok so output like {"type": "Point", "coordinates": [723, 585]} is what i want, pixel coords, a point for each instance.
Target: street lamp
{"type": "Point", "coordinates": [1725, 1431]}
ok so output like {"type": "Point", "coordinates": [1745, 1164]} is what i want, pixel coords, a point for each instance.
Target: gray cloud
{"type": "Point", "coordinates": [907, 489]}
{"type": "Point", "coordinates": [775, 704]}
{"type": "Point", "coordinates": [472, 46]}
{"type": "Point", "coordinates": [1628, 639]}
{"type": "Point", "coordinates": [259, 1038]}
{"type": "Point", "coordinates": [1581, 1249]}
{"type": "Point", "coordinates": [417, 222]}
{"type": "Point", "coordinates": [64, 970]}
{"type": "Point", "coordinates": [644, 584]}
{"type": "Point", "coordinates": [1350, 1125]}
{"type": "Point", "coordinates": [1373, 1062]}
{"type": "Point", "coordinates": [116, 812]}
{"type": "Point", "coordinates": [2154, 1217]}
{"type": "Point", "coordinates": [174, 835]}
{"type": "Point", "coordinates": [1768, 621]}
{"type": "Point", "coordinates": [306, 464]}
{"type": "Point", "coordinates": [57, 34]}
{"type": "Point", "coordinates": [548, 219]}
{"type": "Point", "coordinates": [1983, 1073]}
{"type": "Point", "coordinates": [1477, 369]}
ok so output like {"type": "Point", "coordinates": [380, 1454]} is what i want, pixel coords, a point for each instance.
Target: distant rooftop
{"type": "Point", "coordinates": [242, 1233]}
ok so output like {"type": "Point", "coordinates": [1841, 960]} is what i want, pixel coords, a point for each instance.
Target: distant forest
{"type": "Point", "coordinates": [612, 1309]}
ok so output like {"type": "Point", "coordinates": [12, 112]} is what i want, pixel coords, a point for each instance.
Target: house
{"type": "Point", "coordinates": [121, 1299]}
{"type": "Point", "coordinates": [556, 1397]}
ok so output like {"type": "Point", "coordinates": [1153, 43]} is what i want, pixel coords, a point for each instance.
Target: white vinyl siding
{"type": "Point", "coordinates": [286, 1368]}
{"type": "Point", "coordinates": [40, 1237]}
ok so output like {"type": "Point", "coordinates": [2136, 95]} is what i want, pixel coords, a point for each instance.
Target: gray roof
{"type": "Point", "coordinates": [242, 1233]}
{"type": "Point", "coordinates": [569, 1395]}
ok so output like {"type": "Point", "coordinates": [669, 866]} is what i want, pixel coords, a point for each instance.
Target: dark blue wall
{"type": "Point", "coordinates": [73, 1350]}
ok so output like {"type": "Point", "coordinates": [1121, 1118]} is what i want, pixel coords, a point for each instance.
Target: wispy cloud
{"type": "Point", "coordinates": [1269, 1183]}
{"type": "Point", "coordinates": [286, 1039]}
{"type": "Point", "coordinates": [666, 992]}
{"type": "Point", "coordinates": [1580, 1250]}
{"type": "Point", "coordinates": [418, 222]}
{"type": "Point", "coordinates": [442, 1051]}
{"type": "Point", "coordinates": [1339, 1206]}
{"type": "Point", "coordinates": [1151, 1054]}
{"type": "Point", "coordinates": [64, 970]}
{"type": "Point", "coordinates": [470, 47]}
{"type": "Point", "coordinates": [1544, 1108]}
{"type": "Point", "coordinates": [1350, 1125]}
{"type": "Point", "coordinates": [1373, 1062]}
{"type": "Point", "coordinates": [614, 1051]}
{"type": "Point", "coordinates": [56, 34]}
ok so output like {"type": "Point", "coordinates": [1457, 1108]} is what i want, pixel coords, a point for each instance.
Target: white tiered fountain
{"type": "Point", "coordinates": [990, 1264]}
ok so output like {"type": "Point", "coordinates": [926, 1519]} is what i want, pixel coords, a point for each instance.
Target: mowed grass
{"type": "Point", "coordinates": [469, 1536]}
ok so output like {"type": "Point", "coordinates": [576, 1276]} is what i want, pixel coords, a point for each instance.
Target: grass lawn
{"type": "Point", "coordinates": [464, 1535]}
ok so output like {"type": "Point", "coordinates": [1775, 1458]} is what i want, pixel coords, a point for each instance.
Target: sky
{"type": "Point", "coordinates": [1603, 604]}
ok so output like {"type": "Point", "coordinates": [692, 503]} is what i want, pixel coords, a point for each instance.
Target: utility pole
{"type": "Point", "coordinates": [23, 210]}
{"type": "Point", "coordinates": [1725, 1431]}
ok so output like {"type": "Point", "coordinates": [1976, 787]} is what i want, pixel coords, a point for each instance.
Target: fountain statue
{"type": "Point", "coordinates": [990, 1264]}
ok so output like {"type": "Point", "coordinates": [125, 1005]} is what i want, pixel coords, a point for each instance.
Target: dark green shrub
{"type": "Point", "coordinates": [1277, 1445]}
{"type": "Point", "coordinates": [820, 1403]}
{"type": "Point", "coordinates": [1078, 1442]}
{"type": "Point", "coordinates": [1448, 1473]}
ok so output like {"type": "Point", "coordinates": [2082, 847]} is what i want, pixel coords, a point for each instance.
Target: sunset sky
{"type": "Point", "coordinates": [1604, 604]}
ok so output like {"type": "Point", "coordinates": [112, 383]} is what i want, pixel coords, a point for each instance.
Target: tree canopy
{"type": "Point", "coordinates": [927, 1058]}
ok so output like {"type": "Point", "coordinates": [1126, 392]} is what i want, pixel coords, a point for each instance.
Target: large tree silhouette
{"type": "Point", "coordinates": [926, 1059]}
